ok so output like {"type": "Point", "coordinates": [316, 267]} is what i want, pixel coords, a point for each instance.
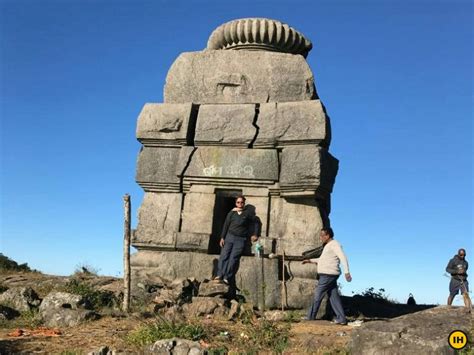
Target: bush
{"type": "Point", "coordinates": [376, 295]}
{"type": "Point", "coordinates": [163, 329]}
{"type": "Point", "coordinates": [8, 264]}
{"type": "Point", "coordinates": [97, 299]}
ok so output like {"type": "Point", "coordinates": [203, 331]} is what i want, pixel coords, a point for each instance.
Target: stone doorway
{"type": "Point", "coordinates": [224, 202]}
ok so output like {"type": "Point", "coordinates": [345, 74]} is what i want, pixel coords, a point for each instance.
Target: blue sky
{"type": "Point", "coordinates": [396, 79]}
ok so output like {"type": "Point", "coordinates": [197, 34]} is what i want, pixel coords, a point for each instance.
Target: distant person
{"type": "Point", "coordinates": [329, 271]}
{"type": "Point", "coordinates": [411, 300]}
{"type": "Point", "coordinates": [457, 267]}
{"type": "Point", "coordinates": [240, 224]}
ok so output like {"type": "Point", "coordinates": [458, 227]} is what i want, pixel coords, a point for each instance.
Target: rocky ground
{"type": "Point", "coordinates": [81, 314]}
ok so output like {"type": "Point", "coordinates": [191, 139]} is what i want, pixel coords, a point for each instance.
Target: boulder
{"type": "Point", "coordinates": [213, 289]}
{"type": "Point", "coordinates": [21, 299]}
{"type": "Point", "coordinates": [424, 332]}
{"type": "Point", "coordinates": [230, 77]}
{"type": "Point", "coordinates": [202, 306]}
{"type": "Point", "coordinates": [62, 309]}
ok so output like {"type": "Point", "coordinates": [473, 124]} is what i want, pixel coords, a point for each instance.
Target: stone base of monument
{"type": "Point", "coordinates": [265, 291]}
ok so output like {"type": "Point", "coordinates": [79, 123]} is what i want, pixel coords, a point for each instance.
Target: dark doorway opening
{"type": "Point", "coordinates": [224, 202]}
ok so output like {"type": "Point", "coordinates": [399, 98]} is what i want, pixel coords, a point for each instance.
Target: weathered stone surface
{"type": "Point", "coordinates": [213, 289]}
{"type": "Point", "coordinates": [61, 309]}
{"type": "Point", "coordinates": [291, 123]}
{"type": "Point", "coordinates": [198, 212]}
{"type": "Point", "coordinates": [202, 306]}
{"type": "Point", "coordinates": [176, 346]}
{"type": "Point", "coordinates": [158, 219]}
{"type": "Point", "coordinates": [164, 124]}
{"type": "Point", "coordinates": [216, 165]}
{"type": "Point", "coordinates": [261, 210]}
{"type": "Point", "coordinates": [225, 125]}
{"type": "Point", "coordinates": [171, 265]}
{"type": "Point", "coordinates": [192, 241]}
{"type": "Point", "coordinates": [156, 169]}
{"type": "Point", "coordinates": [297, 222]}
{"type": "Point", "coordinates": [224, 77]}
{"type": "Point", "coordinates": [263, 291]}
{"type": "Point", "coordinates": [424, 332]}
{"type": "Point", "coordinates": [21, 299]}
{"type": "Point", "coordinates": [297, 269]}
{"type": "Point", "coordinates": [307, 168]}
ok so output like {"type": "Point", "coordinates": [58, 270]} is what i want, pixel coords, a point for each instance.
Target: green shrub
{"type": "Point", "coordinates": [8, 264]}
{"type": "Point", "coordinates": [163, 329]}
{"type": "Point", "coordinates": [376, 295]}
{"type": "Point", "coordinates": [97, 299]}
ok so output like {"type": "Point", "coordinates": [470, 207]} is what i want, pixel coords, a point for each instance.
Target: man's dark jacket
{"type": "Point", "coordinates": [457, 267]}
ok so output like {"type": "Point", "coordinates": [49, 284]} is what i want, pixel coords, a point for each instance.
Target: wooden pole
{"type": "Point", "coordinates": [126, 254]}
{"type": "Point", "coordinates": [283, 284]}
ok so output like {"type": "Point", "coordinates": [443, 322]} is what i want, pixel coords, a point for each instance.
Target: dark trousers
{"type": "Point", "coordinates": [327, 284]}
{"type": "Point", "coordinates": [229, 260]}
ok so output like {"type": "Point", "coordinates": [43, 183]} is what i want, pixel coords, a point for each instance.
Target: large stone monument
{"type": "Point", "coordinates": [241, 116]}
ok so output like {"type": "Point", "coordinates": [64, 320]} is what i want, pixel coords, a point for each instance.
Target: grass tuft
{"type": "Point", "coordinates": [163, 329]}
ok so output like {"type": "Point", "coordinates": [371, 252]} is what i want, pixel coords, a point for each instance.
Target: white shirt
{"type": "Point", "coordinates": [330, 259]}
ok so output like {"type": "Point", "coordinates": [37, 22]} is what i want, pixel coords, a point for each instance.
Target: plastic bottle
{"type": "Point", "coordinates": [258, 249]}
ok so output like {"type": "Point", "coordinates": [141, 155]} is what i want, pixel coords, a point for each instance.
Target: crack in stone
{"type": "Point", "coordinates": [254, 123]}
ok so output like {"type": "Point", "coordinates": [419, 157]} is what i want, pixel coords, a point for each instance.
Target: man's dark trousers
{"type": "Point", "coordinates": [230, 257]}
{"type": "Point", "coordinates": [327, 284]}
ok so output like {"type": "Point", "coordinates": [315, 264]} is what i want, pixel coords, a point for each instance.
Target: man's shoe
{"type": "Point", "coordinates": [339, 322]}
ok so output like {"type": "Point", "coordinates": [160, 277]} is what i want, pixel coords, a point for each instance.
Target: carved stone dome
{"type": "Point", "coordinates": [259, 34]}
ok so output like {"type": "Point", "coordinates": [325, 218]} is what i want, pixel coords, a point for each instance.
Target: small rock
{"type": "Point", "coordinates": [234, 310]}
{"type": "Point", "coordinates": [176, 346]}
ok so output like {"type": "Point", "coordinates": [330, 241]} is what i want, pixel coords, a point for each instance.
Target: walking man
{"type": "Point", "coordinates": [457, 267]}
{"type": "Point", "coordinates": [329, 271]}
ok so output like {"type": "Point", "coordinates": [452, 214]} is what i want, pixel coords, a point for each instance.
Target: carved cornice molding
{"type": "Point", "coordinates": [259, 34]}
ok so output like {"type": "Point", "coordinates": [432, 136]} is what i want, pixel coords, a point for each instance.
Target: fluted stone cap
{"type": "Point", "coordinates": [259, 34]}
